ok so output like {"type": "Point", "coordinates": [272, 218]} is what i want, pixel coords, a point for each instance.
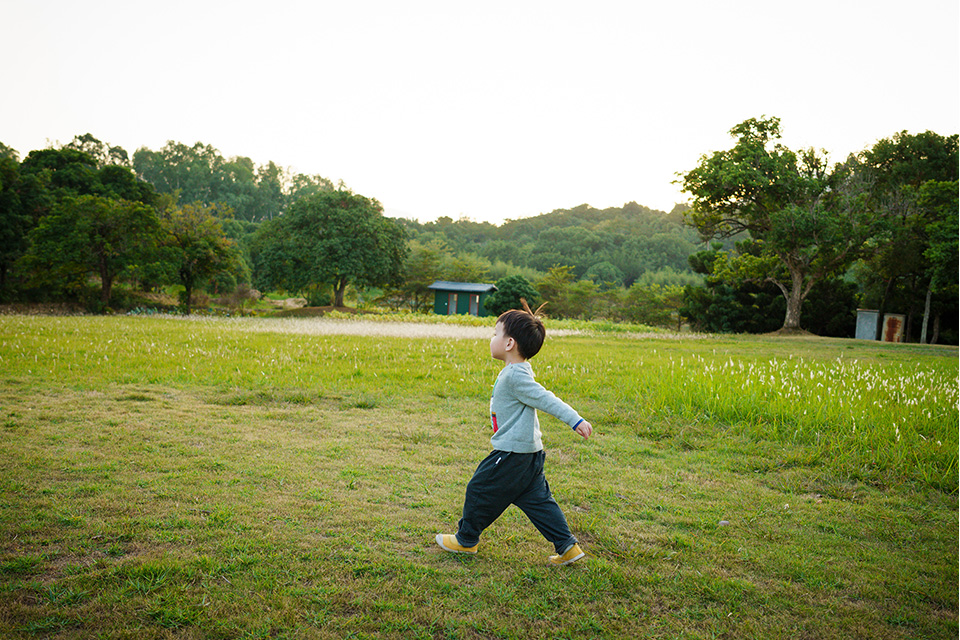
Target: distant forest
{"type": "Point", "coordinates": [622, 263]}
{"type": "Point", "coordinates": [609, 246]}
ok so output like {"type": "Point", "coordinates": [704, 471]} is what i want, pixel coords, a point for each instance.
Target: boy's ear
{"type": "Point", "coordinates": [509, 344]}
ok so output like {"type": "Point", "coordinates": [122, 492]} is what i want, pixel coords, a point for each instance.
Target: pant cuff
{"type": "Point", "coordinates": [566, 546]}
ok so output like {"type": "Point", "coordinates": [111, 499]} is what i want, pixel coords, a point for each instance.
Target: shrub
{"type": "Point", "coordinates": [508, 294]}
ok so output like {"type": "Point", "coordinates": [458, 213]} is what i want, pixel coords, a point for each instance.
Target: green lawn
{"type": "Point", "coordinates": [166, 478]}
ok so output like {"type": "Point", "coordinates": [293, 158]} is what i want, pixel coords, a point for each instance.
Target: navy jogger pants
{"type": "Point", "coordinates": [504, 478]}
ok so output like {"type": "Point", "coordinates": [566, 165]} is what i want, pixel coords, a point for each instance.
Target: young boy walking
{"type": "Point", "coordinates": [513, 473]}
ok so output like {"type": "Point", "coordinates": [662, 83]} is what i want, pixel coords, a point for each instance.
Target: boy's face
{"type": "Point", "coordinates": [500, 344]}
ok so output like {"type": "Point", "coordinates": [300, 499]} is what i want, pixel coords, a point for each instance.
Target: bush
{"type": "Point", "coordinates": [508, 294]}
{"type": "Point", "coordinates": [319, 297]}
{"type": "Point", "coordinates": [653, 305]}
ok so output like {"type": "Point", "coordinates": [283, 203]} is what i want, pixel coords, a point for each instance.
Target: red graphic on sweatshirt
{"type": "Point", "coordinates": [493, 418]}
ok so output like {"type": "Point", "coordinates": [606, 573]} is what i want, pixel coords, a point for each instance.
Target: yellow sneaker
{"type": "Point", "coordinates": [569, 556]}
{"type": "Point", "coordinates": [449, 543]}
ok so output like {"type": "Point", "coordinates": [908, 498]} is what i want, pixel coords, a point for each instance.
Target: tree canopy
{"type": "Point", "coordinates": [195, 244]}
{"type": "Point", "coordinates": [91, 234]}
{"type": "Point", "coordinates": [330, 239]}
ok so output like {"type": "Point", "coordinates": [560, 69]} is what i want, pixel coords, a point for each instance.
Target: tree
{"type": "Point", "coordinates": [9, 152]}
{"type": "Point", "coordinates": [333, 238]}
{"type": "Point", "coordinates": [567, 296]}
{"type": "Point", "coordinates": [421, 268]}
{"type": "Point", "coordinates": [900, 167]}
{"type": "Point", "coordinates": [906, 159]}
{"type": "Point", "coordinates": [68, 171]}
{"type": "Point", "coordinates": [120, 183]}
{"type": "Point", "coordinates": [71, 171]}
{"type": "Point", "coordinates": [102, 153]}
{"type": "Point", "coordinates": [193, 172]}
{"type": "Point", "coordinates": [302, 186]}
{"type": "Point", "coordinates": [91, 234]}
{"type": "Point", "coordinates": [196, 246]}
{"type": "Point", "coordinates": [269, 198]}
{"type": "Point", "coordinates": [605, 275]}
{"type": "Point", "coordinates": [581, 300]}
{"type": "Point", "coordinates": [510, 291]}
{"type": "Point", "coordinates": [554, 288]}
{"type": "Point", "coordinates": [940, 200]}
{"type": "Point", "coordinates": [807, 222]}
{"type": "Point", "coordinates": [464, 267]}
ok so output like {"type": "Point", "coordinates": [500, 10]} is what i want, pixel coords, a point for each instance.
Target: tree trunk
{"type": "Point", "coordinates": [794, 297]}
{"type": "Point", "coordinates": [106, 282]}
{"type": "Point", "coordinates": [936, 329]}
{"type": "Point", "coordinates": [187, 295]}
{"type": "Point", "coordinates": [338, 290]}
{"type": "Point", "coordinates": [926, 313]}
{"type": "Point", "coordinates": [186, 279]}
{"type": "Point", "coordinates": [792, 319]}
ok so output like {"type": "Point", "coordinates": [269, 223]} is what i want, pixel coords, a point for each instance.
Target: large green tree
{"type": "Point", "coordinates": [333, 238]}
{"type": "Point", "coordinates": [66, 171]}
{"type": "Point", "coordinates": [70, 171]}
{"type": "Point", "coordinates": [807, 221]}
{"type": "Point", "coordinates": [50, 178]}
{"type": "Point", "coordinates": [196, 246]}
{"type": "Point", "coordinates": [91, 234]}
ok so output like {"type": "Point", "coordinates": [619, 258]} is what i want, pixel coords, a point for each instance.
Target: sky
{"type": "Point", "coordinates": [486, 110]}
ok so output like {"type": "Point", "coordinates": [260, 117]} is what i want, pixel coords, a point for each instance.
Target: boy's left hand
{"type": "Point", "coordinates": [584, 429]}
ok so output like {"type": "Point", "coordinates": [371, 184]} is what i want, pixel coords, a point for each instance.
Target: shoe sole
{"type": "Point", "coordinates": [446, 548]}
{"type": "Point", "coordinates": [570, 561]}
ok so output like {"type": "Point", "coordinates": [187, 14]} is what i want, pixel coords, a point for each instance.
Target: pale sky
{"type": "Point", "coordinates": [490, 110]}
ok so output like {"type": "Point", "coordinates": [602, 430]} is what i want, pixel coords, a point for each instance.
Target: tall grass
{"type": "Point", "coordinates": [871, 421]}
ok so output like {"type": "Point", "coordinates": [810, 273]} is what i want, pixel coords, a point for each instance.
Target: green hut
{"type": "Point", "coordinates": [453, 298]}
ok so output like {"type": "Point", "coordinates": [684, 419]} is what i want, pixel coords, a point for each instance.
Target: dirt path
{"type": "Point", "coordinates": [322, 326]}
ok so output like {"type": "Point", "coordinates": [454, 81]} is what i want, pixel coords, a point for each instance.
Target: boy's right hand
{"type": "Point", "coordinates": [584, 429]}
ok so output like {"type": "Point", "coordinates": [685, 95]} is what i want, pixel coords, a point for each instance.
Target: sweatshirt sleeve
{"type": "Point", "coordinates": [533, 394]}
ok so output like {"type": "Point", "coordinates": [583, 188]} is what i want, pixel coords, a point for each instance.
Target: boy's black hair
{"type": "Point", "coordinates": [525, 327]}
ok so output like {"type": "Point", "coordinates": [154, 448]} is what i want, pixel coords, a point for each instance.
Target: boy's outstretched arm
{"type": "Point", "coordinates": [584, 429]}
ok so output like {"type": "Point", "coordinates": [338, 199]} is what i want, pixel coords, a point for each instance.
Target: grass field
{"type": "Point", "coordinates": [182, 478]}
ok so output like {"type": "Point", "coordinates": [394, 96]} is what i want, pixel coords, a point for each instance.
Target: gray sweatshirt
{"type": "Point", "coordinates": [513, 410]}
